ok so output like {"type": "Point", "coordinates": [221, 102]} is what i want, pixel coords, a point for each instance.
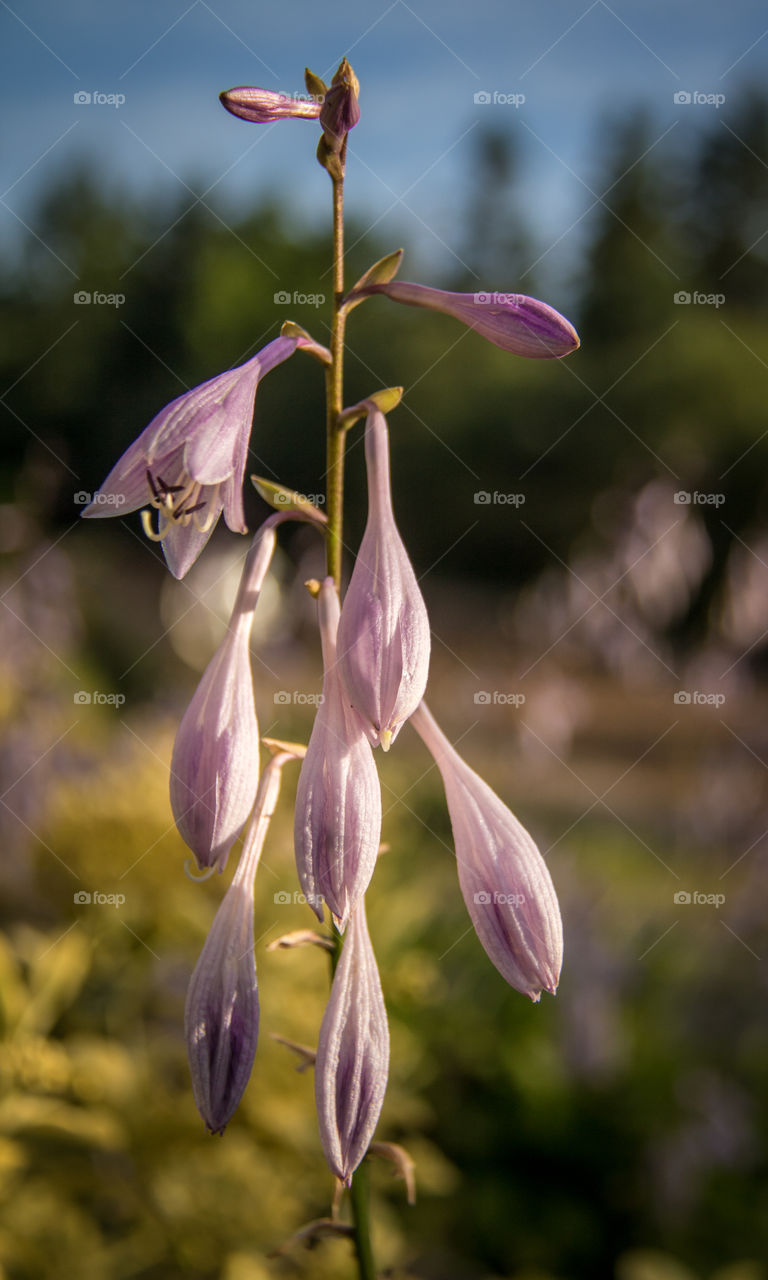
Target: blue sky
{"type": "Point", "coordinates": [420, 63]}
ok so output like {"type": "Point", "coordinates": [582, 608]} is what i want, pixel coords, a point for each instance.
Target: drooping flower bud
{"type": "Point", "coordinates": [221, 1019]}
{"type": "Point", "coordinates": [384, 637]}
{"type": "Point", "coordinates": [352, 1060]}
{"type": "Point", "coordinates": [215, 761]}
{"type": "Point", "coordinates": [511, 321]}
{"type": "Point", "coordinates": [504, 879]}
{"type": "Point", "coordinates": [337, 825]}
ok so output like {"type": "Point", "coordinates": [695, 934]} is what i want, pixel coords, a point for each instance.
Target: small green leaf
{"type": "Point", "coordinates": [385, 401]}
{"type": "Point", "coordinates": [316, 88]}
{"type": "Point", "coordinates": [283, 499]}
{"type": "Point", "coordinates": [380, 273]}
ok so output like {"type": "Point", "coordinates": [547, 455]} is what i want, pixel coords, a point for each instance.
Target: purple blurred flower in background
{"type": "Point", "coordinates": [221, 1019]}
{"type": "Point", "coordinates": [352, 1061]}
{"type": "Point", "coordinates": [190, 461]}
{"type": "Point", "coordinates": [384, 639]}
{"type": "Point", "coordinates": [215, 762]}
{"type": "Point", "coordinates": [511, 321]}
{"type": "Point", "coordinates": [337, 824]}
{"type": "Point", "coordinates": [504, 879]}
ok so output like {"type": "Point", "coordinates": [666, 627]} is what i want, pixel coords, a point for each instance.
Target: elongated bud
{"type": "Point", "coordinates": [337, 824]}
{"type": "Point", "coordinates": [352, 1054]}
{"type": "Point", "coordinates": [340, 112]}
{"type": "Point", "coordinates": [504, 879]}
{"type": "Point", "coordinates": [221, 1020]}
{"type": "Point", "coordinates": [384, 638]}
{"type": "Point", "coordinates": [511, 321]}
{"type": "Point", "coordinates": [262, 106]}
{"type": "Point", "coordinates": [215, 762]}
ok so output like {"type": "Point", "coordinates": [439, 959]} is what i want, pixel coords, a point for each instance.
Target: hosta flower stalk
{"type": "Point", "coordinates": [505, 881]}
{"type": "Point", "coordinates": [337, 823]}
{"type": "Point", "coordinates": [221, 1018]}
{"type": "Point", "coordinates": [352, 1060]}
{"type": "Point", "coordinates": [384, 639]}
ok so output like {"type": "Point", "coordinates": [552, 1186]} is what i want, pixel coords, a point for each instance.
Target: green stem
{"type": "Point", "coordinates": [335, 444]}
{"type": "Point", "coordinates": [359, 1199]}
{"type": "Point", "coordinates": [336, 436]}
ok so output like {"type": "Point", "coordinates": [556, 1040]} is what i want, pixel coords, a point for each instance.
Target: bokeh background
{"type": "Point", "coordinates": [591, 538]}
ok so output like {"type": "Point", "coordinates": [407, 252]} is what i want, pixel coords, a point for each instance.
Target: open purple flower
{"type": "Point", "coordinates": [221, 1019]}
{"type": "Point", "coordinates": [352, 1054]}
{"type": "Point", "coordinates": [384, 639]}
{"type": "Point", "coordinates": [215, 761]}
{"type": "Point", "coordinates": [511, 321]}
{"type": "Point", "coordinates": [190, 461]}
{"type": "Point", "coordinates": [504, 879]}
{"type": "Point", "coordinates": [337, 824]}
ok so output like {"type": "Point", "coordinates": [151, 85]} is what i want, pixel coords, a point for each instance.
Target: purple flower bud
{"type": "Point", "coordinates": [337, 824]}
{"type": "Point", "coordinates": [221, 1019]}
{"type": "Point", "coordinates": [340, 110]}
{"type": "Point", "coordinates": [262, 106]}
{"type": "Point", "coordinates": [503, 877]}
{"type": "Point", "coordinates": [189, 462]}
{"type": "Point", "coordinates": [215, 761]}
{"type": "Point", "coordinates": [384, 637]}
{"type": "Point", "coordinates": [509, 320]}
{"type": "Point", "coordinates": [352, 1054]}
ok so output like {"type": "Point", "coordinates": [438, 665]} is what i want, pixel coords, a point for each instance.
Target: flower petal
{"type": "Point", "coordinates": [384, 637]}
{"type": "Point", "coordinates": [505, 881]}
{"type": "Point", "coordinates": [221, 1017]}
{"type": "Point", "coordinates": [337, 825]}
{"type": "Point", "coordinates": [261, 106]}
{"type": "Point", "coordinates": [215, 762]}
{"type": "Point", "coordinates": [511, 321]}
{"type": "Point", "coordinates": [352, 1061]}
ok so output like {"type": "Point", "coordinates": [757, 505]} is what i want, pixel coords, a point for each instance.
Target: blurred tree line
{"type": "Point", "coordinates": [659, 388]}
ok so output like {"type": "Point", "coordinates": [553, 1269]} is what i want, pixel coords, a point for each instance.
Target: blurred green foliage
{"type": "Point", "coordinates": [619, 1131]}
